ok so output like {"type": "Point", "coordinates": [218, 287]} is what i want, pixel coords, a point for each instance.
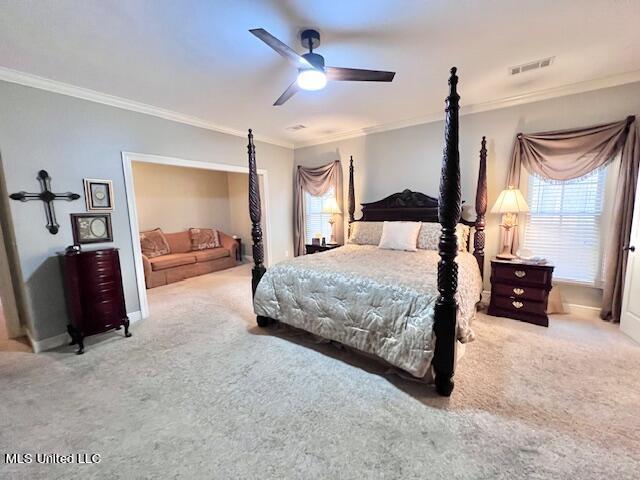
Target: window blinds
{"type": "Point", "coordinates": [564, 225]}
{"type": "Point", "coordinates": [316, 220]}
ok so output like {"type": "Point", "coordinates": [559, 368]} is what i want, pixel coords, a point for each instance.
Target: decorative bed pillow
{"type": "Point", "coordinates": [365, 233]}
{"type": "Point", "coordinates": [463, 231]}
{"type": "Point", "coordinates": [203, 238]}
{"type": "Point", "coordinates": [400, 236]}
{"type": "Point", "coordinates": [430, 236]}
{"type": "Point", "coordinates": [154, 243]}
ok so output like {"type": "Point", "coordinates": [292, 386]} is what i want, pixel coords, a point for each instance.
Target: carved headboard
{"type": "Point", "coordinates": [402, 206]}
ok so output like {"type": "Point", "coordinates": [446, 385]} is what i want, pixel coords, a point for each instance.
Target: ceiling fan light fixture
{"type": "Point", "coordinates": [312, 79]}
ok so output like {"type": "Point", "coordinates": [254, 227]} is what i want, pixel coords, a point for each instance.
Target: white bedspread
{"type": "Point", "coordinates": [377, 301]}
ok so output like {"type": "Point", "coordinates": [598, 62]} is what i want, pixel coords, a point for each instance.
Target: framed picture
{"type": "Point", "coordinates": [98, 195]}
{"type": "Point", "coordinates": [91, 228]}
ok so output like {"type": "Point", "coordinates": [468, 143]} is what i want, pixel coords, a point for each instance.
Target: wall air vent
{"type": "Point", "coordinates": [527, 67]}
{"type": "Point", "coordinates": [295, 128]}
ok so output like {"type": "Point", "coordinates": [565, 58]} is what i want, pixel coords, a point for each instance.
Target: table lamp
{"type": "Point", "coordinates": [331, 206]}
{"type": "Point", "coordinates": [509, 204]}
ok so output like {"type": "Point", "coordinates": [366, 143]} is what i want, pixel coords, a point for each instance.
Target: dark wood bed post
{"type": "Point", "coordinates": [255, 211]}
{"type": "Point", "coordinates": [449, 208]}
{"type": "Point", "coordinates": [481, 208]}
{"type": "Point", "coordinates": [352, 195]}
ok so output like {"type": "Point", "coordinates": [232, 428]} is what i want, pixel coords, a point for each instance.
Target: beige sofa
{"type": "Point", "coordinates": [183, 262]}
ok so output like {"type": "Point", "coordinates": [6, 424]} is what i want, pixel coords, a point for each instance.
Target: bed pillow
{"type": "Point", "coordinates": [153, 243]}
{"type": "Point", "coordinates": [365, 233]}
{"type": "Point", "coordinates": [203, 238]}
{"type": "Point", "coordinates": [429, 236]}
{"type": "Point", "coordinates": [463, 232]}
{"type": "Point", "coordinates": [400, 236]}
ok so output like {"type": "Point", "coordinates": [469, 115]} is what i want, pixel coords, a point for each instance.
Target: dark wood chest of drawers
{"type": "Point", "coordinates": [520, 291]}
{"type": "Point", "coordinates": [95, 298]}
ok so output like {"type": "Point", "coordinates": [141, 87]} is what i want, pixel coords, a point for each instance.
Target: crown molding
{"type": "Point", "coordinates": [42, 83]}
{"type": "Point", "coordinates": [564, 90]}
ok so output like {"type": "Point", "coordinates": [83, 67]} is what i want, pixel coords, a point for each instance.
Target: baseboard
{"type": "Point", "coordinates": [134, 317]}
{"type": "Point", "coordinates": [582, 310]}
{"type": "Point", "coordinates": [62, 339]}
{"type": "Point", "coordinates": [48, 343]}
{"type": "Point", "coordinates": [485, 297]}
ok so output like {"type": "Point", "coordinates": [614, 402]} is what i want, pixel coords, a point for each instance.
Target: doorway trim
{"type": "Point", "coordinates": [128, 158]}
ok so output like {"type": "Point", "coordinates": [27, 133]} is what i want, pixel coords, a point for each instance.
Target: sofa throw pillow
{"type": "Point", "coordinates": [400, 236]}
{"type": "Point", "coordinates": [154, 243]}
{"type": "Point", "coordinates": [365, 233]}
{"type": "Point", "coordinates": [429, 236]}
{"type": "Point", "coordinates": [203, 238]}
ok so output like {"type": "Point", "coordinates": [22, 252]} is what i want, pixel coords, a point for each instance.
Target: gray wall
{"type": "Point", "coordinates": [387, 162]}
{"type": "Point", "coordinates": [74, 139]}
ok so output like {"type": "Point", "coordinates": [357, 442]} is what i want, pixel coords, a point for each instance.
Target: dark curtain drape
{"type": "Point", "coordinates": [317, 181]}
{"type": "Point", "coordinates": [568, 154]}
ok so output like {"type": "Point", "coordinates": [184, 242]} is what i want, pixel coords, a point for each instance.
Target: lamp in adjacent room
{"type": "Point", "coordinates": [510, 203]}
{"type": "Point", "coordinates": [331, 206]}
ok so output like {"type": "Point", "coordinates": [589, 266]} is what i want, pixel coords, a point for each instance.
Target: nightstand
{"type": "Point", "coordinates": [520, 290]}
{"type": "Point", "coordinates": [320, 248]}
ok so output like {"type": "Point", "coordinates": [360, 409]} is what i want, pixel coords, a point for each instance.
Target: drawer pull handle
{"type": "Point", "coordinates": [517, 304]}
{"type": "Point", "coordinates": [518, 291]}
{"type": "Point", "coordinates": [519, 273]}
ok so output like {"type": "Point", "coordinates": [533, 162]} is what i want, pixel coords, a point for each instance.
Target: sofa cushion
{"type": "Point", "coordinates": [179, 242]}
{"type": "Point", "coordinates": [154, 243]}
{"type": "Point", "coordinates": [171, 260]}
{"type": "Point", "coordinates": [203, 238]}
{"type": "Point", "coordinates": [211, 254]}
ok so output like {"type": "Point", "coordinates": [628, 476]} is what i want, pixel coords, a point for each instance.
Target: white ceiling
{"type": "Point", "coordinates": [196, 57]}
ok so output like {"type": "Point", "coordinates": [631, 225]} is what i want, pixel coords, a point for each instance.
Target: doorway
{"type": "Point", "coordinates": [12, 334]}
{"type": "Point", "coordinates": [132, 162]}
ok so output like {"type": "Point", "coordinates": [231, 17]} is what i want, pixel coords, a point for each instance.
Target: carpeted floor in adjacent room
{"type": "Point", "coordinates": [200, 392]}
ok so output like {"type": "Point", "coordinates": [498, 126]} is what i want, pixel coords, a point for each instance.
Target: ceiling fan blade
{"type": "Point", "coordinates": [288, 93]}
{"type": "Point", "coordinates": [282, 48]}
{"type": "Point", "coordinates": [358, 75]}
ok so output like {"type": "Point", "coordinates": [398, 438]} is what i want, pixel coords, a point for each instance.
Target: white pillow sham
{"type": "Point", "coordinates": [369, 233]}
{"type": "Point", "coordinates": [400, 236]}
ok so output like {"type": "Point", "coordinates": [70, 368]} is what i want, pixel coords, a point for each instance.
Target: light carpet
{"type": "Point", "coordinates": [199, 391]}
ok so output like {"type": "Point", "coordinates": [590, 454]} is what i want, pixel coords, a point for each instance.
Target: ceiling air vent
{"type": "Point", "coordinates": [295, 128]}
{"type": "Point", "coordinates": [527, 67]}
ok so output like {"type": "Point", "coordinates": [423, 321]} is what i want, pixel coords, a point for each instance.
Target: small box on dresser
{"type": "Point", "coordinates": [520, 290]}
{"type": "Point", "coordinates": [93, 289]}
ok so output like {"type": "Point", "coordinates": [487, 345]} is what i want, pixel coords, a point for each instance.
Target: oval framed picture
{"type": "Point", "coordinates": [98, 195]}
{"type": "Point", "coordinates": [91, 228]}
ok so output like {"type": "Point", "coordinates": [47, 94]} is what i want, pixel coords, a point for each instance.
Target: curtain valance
{"type": "Point", "coordinates": [317, 181]}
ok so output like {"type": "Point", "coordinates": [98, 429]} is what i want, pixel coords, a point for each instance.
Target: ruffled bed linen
{"type": "Point", "coordinates": [377, 301]}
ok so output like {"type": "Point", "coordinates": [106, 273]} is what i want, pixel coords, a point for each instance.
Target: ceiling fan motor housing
{"type": "Point", "coordinates": [310, 39]}
{"type": "Point", "coordinates": [314, 59]}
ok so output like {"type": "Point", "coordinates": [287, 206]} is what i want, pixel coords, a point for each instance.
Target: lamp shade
{"type": "Point", "coordinates": [331, 206]}
{"type": "Point", "coordinates": [510, 201]}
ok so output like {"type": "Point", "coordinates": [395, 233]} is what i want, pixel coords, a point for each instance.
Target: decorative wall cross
{"type": "Point", "coordinates": [47, 196]}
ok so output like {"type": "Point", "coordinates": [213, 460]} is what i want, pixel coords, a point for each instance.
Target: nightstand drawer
{"type": "Point", "coordinates": [518, 305]}
{"type": "Point", "coordinates": [522, 274]}
{"type": "Point", "coordinates": [538, 294]}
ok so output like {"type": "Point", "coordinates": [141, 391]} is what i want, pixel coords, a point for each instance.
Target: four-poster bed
{"type": "Point", "coordinates": [343, 287]}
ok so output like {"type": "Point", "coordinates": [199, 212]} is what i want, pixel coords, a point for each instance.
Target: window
{"type": "Point", "coordinates": [565, 225]}
{"type": "Point", "coordinates": [316, 220]}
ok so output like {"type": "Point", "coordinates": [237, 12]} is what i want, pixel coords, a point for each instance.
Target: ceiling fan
{"type": "Point", "coordinates": [312, 72]}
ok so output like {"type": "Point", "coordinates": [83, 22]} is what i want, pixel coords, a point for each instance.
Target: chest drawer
{"type": "Point", "coordinates": [519, 305]}
{"type": "Point", "coordinates": [527, 292]}
{"type": "Point", "coordinates": [521, 274]}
